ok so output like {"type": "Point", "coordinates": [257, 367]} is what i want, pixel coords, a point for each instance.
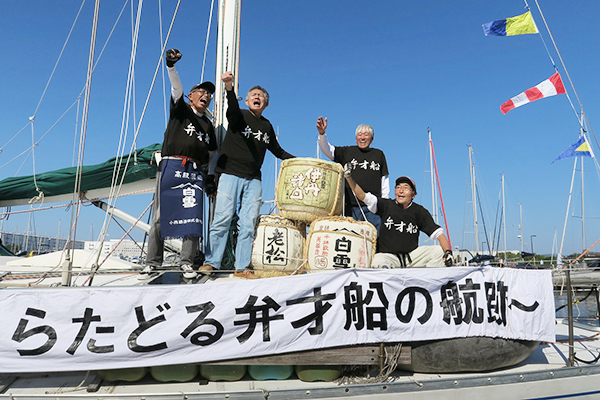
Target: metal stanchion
{"type": "Point", "coordinates": [571, 360]}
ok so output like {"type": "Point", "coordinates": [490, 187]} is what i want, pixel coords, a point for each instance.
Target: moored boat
{"type": "Point", "coordinates": [434, 362]}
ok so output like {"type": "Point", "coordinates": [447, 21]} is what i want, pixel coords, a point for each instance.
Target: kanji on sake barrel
{"type": "Point", "coordinates": [278, 246]}
{"type": "Point", "coordinates": [309, 188]}
{"type": "Point", "coordinates": [340, 242]}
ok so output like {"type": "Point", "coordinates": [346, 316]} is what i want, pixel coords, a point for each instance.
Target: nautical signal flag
{"type": "Point", "coordinates": [519, 25]}
{"type": "Point", "coordinates": [580, 148]}
{"type": "Point", "coordinates": [550, 87]}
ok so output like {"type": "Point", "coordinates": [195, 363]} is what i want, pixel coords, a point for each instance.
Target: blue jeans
{"type": "Point", "coordinates": [372, 218]}
{"type": "Point", "coordinates": [233, 192]}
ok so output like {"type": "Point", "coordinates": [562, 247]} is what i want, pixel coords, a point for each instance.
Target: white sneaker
{"type": "Point", "coordinates": [188, 271]}
{"type": "Point", "coordinates": [148, 272]}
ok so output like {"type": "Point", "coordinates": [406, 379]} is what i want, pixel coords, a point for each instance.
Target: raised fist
{"type": "Point", "coordinates": [172, 56]}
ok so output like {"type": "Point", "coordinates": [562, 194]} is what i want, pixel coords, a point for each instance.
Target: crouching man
{"type": "Point", "coordinates": [401, 222]}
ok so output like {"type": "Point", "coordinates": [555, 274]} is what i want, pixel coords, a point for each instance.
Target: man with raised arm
{"type": "Point", "coordinates": [369, 169]}
{"type": "Point", "coordinates": [183, 176]}
{"type": "Point", "coordinates": [401, 222]}
{"type": "Point", "coordinates": [242, 153]}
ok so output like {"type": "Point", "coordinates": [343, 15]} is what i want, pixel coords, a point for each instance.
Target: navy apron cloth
{"type": "Point", "coordinates": [181, 199]}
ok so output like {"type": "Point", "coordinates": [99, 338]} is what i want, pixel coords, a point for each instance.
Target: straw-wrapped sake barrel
{"type": "Point", "coordinates": [278, 246]}
{"type": "Point", "coordinates": [340, 242]}
{"type": "Point", "coordinates": [309, 188]}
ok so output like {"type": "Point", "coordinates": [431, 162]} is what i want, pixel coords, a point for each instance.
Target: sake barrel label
{"type": "Point", "coordinates": [340, 242]}
{"type": "Point", "coordinates": [275, 242]}
{"type": "Point", "coordinates": [278, 245]}
{"type": "Point", "coordinates": [309, 188]}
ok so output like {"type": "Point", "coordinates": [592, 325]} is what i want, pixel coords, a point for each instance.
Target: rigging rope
{"type": "Point", "coordinates": [99, 264]}
{"type": "Point", "coordinates": [28, 150]}
{"type": "Point", "coordinates": [487, 239]}
{"type": "Point", "coordinates": [64, 251]}
{"type": "Point", "coordinates": [64, 114]}
{"type": "Point", "coordinates": [160, 60]}
{"type": "Point", "coordinates": [116, 187]}
{"type": "Point", "coordinates": [83, 201]}
{"type": "Point", "coordinates": [581, 255]}
{"type": "Point", "coordinates": [212, 3]}
{"type": "Point", "coordinates": [40, 195]}
{"type": "Point", "coordinates": [147, 100]}
{"type": "Point", "coordinates": [129, 98]}
{"type": "Point", "coordinates": [78, 101]}
{"type": "Point", "coordinates": [59, 57]}
{"type": "Point", "coordinates": [86, 106]}
{"type": "Point", "coordinates": [42, 137]}
{"type": "Point", "coordinates": [11, 139]}
{"type": "Point", "coordinates": [32, 118]}
{"type": "Point", "coordinates": [164, 83]}
{"type": "Point", "coordinates": [583, 113]}
{"type": "Point", "coordinates": [561, 61]}
{"type": "Point", "coordinates": [117, 182]}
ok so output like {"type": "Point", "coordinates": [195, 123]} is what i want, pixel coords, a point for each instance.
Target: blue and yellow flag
{"type": "Point", "coordinates": [580, 148]}
{"type": "Point", "coordinates": [519, 25]}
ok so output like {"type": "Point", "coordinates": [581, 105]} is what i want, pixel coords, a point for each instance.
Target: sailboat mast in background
{"type": "Point", "coordinates": [439, 188]}
{"type": "Point", "coordinates": [434, 208]}
{"type": "Point", "coordinates": [473, 197]}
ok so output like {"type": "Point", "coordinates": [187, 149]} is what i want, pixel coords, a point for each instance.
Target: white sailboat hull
{"type": "Point", "coordinates": [543, 375]}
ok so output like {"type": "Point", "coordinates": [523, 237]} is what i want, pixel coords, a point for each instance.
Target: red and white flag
{"type": "Point", "coordinates": [550, 87]}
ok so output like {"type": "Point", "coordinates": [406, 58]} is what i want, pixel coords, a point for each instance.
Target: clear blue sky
{"type": "Point", "coordinates": [399, 66]}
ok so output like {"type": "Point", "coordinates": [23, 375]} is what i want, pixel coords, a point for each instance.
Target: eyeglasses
{"type": "Point", "coordinates": [202, 92]}
{"type": "Point", "coordinates": [404, 186]}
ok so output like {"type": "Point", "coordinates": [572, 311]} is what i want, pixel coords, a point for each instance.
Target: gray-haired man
{"type": "Point", "coordinates": [369, 169]}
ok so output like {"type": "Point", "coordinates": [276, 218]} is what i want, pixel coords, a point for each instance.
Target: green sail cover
{"type": "Point", "coordinates": [19, 190]}
{"type": "Point", "coordinates": [4, 251]}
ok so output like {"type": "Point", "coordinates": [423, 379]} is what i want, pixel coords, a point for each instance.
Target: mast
{"type": "Point", "coordinates": [473, 196]}
{"type": "Point", "coordinates": [562, 240]}
{"type": "Point", "coordinates": [554, 247]}
{"type": "Point", "coordinates": [433, 196]}
{"type": "Point", "coordinates": [583, 247]}
{"type": "Point", "coordinates": [521, 225]}
{"type": "Point", "coordinates": [439, 187]}
{"type": "Point", "coordinates": [228, 54]}
{"type": "Point", "coordinates": [504, 219]}
{"type": "Point", "coordinates": [57, 237]}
